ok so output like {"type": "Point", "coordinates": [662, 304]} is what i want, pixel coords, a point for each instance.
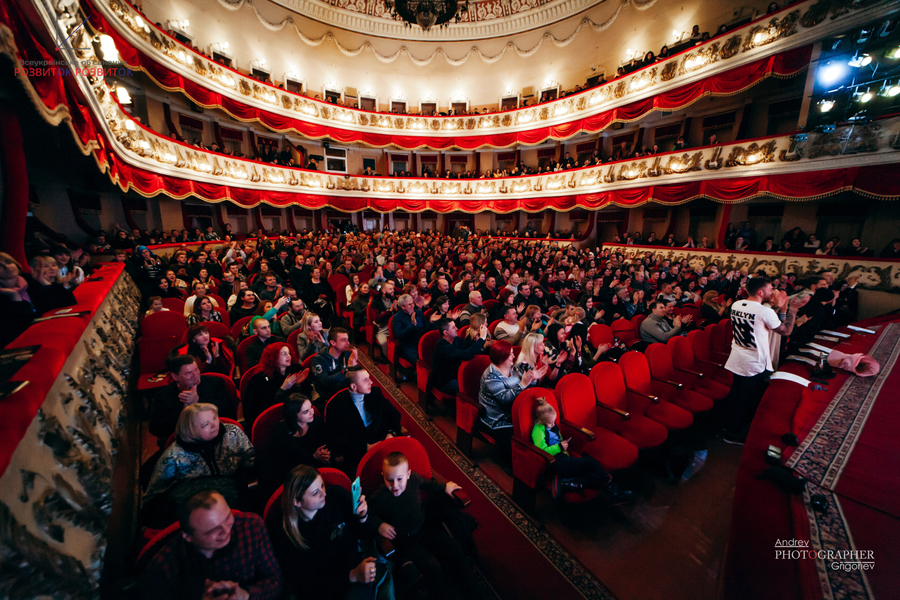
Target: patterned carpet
{"type": "Point", "coordinates": [569, 567]}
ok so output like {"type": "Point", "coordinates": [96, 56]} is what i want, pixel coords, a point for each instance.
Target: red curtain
{"type": "Point", "coordinates": [727, 83]}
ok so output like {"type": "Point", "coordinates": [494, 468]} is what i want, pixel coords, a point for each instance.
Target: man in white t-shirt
{"type": "Point", "coordinates": [750, 360]}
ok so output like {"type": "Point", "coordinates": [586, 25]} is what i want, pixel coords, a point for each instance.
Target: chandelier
{"type": "Point", "coordinates": [427, 13]}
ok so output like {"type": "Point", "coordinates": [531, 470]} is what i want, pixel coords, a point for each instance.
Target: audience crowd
{"type": "Point", "coordinates": [526, 304]}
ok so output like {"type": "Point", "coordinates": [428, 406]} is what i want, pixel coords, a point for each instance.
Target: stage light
{"type": "Point", "coordinates": [864, 95]}
{"type": "Point", "coordinates": [889, 90]}
{"type": "Point", "coordinates": [859, 60]}
{"type": "Point", "coordinates": [895, 53]}
{"type": "Point", "coordinates": [825, 105]}
{"type": "Point", "coordinates": [832, 72]}
{"type": "Point", "coordinates": [108, 49]}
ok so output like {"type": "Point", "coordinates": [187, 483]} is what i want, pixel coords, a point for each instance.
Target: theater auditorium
{"type": "Point", "coordinates": [449, 299]}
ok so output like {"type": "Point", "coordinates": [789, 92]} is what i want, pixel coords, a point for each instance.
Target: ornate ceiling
{"type": "Point", "coordinates": [484, 18]}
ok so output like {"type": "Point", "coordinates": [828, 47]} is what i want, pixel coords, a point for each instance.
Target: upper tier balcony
{"type": "Point", "coordinates": [775, 45]}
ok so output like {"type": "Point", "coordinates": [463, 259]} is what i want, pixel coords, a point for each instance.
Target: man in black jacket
{"type": "Point", "coordinates": [359, 417]}
{"type": "Point", "coordinates": [263, 337]}
{"type": "Point", "coordinates": [449, 353]}
{"type": "Point", "coordinates": [330, 364]}
{"type": "Point", "coordinates": [187, 387]}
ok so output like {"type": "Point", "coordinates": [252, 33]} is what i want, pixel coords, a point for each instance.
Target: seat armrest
{"type": "Point", "coordinates": [462, 498]}
{"type": "Point", "coordinates": [653, 399]}
{"type": "Point", "coordinates": [465, 398]}
{"type": "Point", "coordinates": [709, 362]}
{"type": "Point", "coordinates": [590, 435]}
{"type": "Point", "coordinates": [697, 374]}
{"type": "Point", "coordinates": [674, 384]}
{"type": "Point", "coordinates": [625, 415]}
{"type": "Point", "coordinates": [544, 456]}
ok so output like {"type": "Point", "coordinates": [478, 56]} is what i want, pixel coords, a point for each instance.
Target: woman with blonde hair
{"type": "Point", "coordinates": [476, 321]}
{"type": "Point", "coordinates": [45, 289]}
{"type": "Point", "coordinates": [316, 562]}
{"type": "Point", "coordinates": [312, 337]}
{"type": "Point", "coordinates": [711, 310]}
{"type": "Point", "coordinates": [534, 356]}
{"type": "Point", "coordinates": [205, 454]}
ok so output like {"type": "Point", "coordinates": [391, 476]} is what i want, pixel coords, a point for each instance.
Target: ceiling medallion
{"type": "Point", "coordinates": [427, 13]}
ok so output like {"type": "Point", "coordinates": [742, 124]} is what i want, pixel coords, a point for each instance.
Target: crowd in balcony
{"type": "Point", "coordinates": [695, 38]}
{"type": "Point", "coordinates": [745, 239]}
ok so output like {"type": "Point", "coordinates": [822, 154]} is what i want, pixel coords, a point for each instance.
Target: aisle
{"type": "Point", "coordinates": [522, 560]}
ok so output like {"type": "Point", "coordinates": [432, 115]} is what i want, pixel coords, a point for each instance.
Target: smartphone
{"type": "Point", "coordinates": [356, 490]}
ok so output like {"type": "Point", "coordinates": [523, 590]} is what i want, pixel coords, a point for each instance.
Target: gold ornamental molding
{"type": "Point", "coordinates": [791, 28]}
{"type": "Point", "coordinates": [874, 274]}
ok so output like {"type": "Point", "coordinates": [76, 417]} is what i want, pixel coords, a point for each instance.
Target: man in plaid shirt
{"type": "Point", "coordinates": [218, 555]}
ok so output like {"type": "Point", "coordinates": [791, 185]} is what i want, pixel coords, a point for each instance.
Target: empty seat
{"type": "Point", "coordinates": [638, 383]}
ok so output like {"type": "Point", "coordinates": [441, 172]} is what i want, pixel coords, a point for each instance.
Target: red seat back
{"type": "Point", "coordinates": [624, 330]}
{"type": "Point", "coordinates": [242, 353]}
{"type": "Point", "coordinates": [153, 352]}
{"type": "Point", "coordinates": [700, 344]}
{"type": "Point", "coordinates": [682, 354]}
{"type": "Point", "coordinates": [263, 425]}
{"type": "Point", "coordinates": [216, 330]}
{"type": "Point", "coordinates": [660, 362]}
{"type": "Point", "coordinates": [230, 388]}
{"type": "Point", "coordinates": [427, 344]}
{"type": "Point", "coordinates": [577, 402]}
{"type": "Point", "coordinates": [164, 324]}
{"type": "Point", "coordinates": [636, 321]}
{"type": "Point", "coordinates": [174, 305]}
{"type": "Point", "coordinates": [237, 326]}
{"type": "Point", "coordinates": [246, 376]}
{"type": "Point", "coordinates": [337, 283]}
{"type": "Point", "coordinates": [721, 337]}
{"type": "Point", "coordinates": [369, 469]}
{"type": "Point", "coordinates": [493, 326]}
{"type": "Point", "coordinates": [609, 385]}
{"type": "Point", "coordinates": [599, 334]}
{"type": "Point", "coordinates": [692, 310]}
{"type": "Point", "coordinates": [226, 320]}
{"type": "Point", "coordinates": [470, 373]}
{"type": "Point", "coordinates": [488, 305]}
{"type": "Point", "coordinates": [636, 372]}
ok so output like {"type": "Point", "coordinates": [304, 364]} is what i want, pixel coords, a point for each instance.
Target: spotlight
{"type": "Point", "coordinates": [825, 105]}
{"type": "Point", "coordinates": [832, 72]}
{"type": "Point", "coordinates": [864, 95]}
{"type": "Point", "coordinates": [895, 53]}
{"type": "Point", "coordinates": [859, 60]}
{"type": "Point", "coordinates": [889, 90]}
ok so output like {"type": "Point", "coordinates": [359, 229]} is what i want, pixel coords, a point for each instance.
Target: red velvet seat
{"type": "Point", "coordinates": [671, 385]}
{"type": "Point", "coordinates": [636, 321]}
{"type": "Point", "coordinates": [246, 376]}
{"type": "Point", "coordinates": [337, 283]}
{"type": "Point", "coordinates": [599, 334]}
{"type": "Point", "coordinates": [493, 326]}
{"type": "Point", "coordinates": [226, 318]}
{"type": "Point", "coordinates": [468, 408]}
{"type": "Point", "coordinates": [237, 326]}
{"type": "Point", "coordinates": [427, 344]}
{"type": "Point", "coordinates": [152, 353]}
{"type": "Point", "coordinates": [690, 371]}
{"type": "Point", "coordinates": [578, 406]}
{"type": "Point", "coordinates": [701, 346]}
{"type": "Point", "coordinates": [175, 305]}
{"type": "Point", "coordinates": [163, 324]}
{"type": "Point", "coordinates": [624, 330]}
{"type": "Point", "coordinates": [262, 427]}
{"type": "Point", "coordinates": [620, 415]}
{"type": "Point", "coordinates": [637, 380]}
{"type": "Point", "coordinates": [393, 356]}
{"type": "Point", "coordinates": [242, 353]}
{"type": "Point", "coordinates": [531, 466]}
{"type": "Point", "coordinates": [720, 340]}
{"type": "Point", "coordinates": [489, 304]}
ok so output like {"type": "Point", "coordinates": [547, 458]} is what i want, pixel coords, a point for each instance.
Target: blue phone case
{"type": "Point", "coordinates": [356, 489]}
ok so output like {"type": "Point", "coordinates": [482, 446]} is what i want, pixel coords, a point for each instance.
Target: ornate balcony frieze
{"type": "Point", "coordinates": [791, 28]}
